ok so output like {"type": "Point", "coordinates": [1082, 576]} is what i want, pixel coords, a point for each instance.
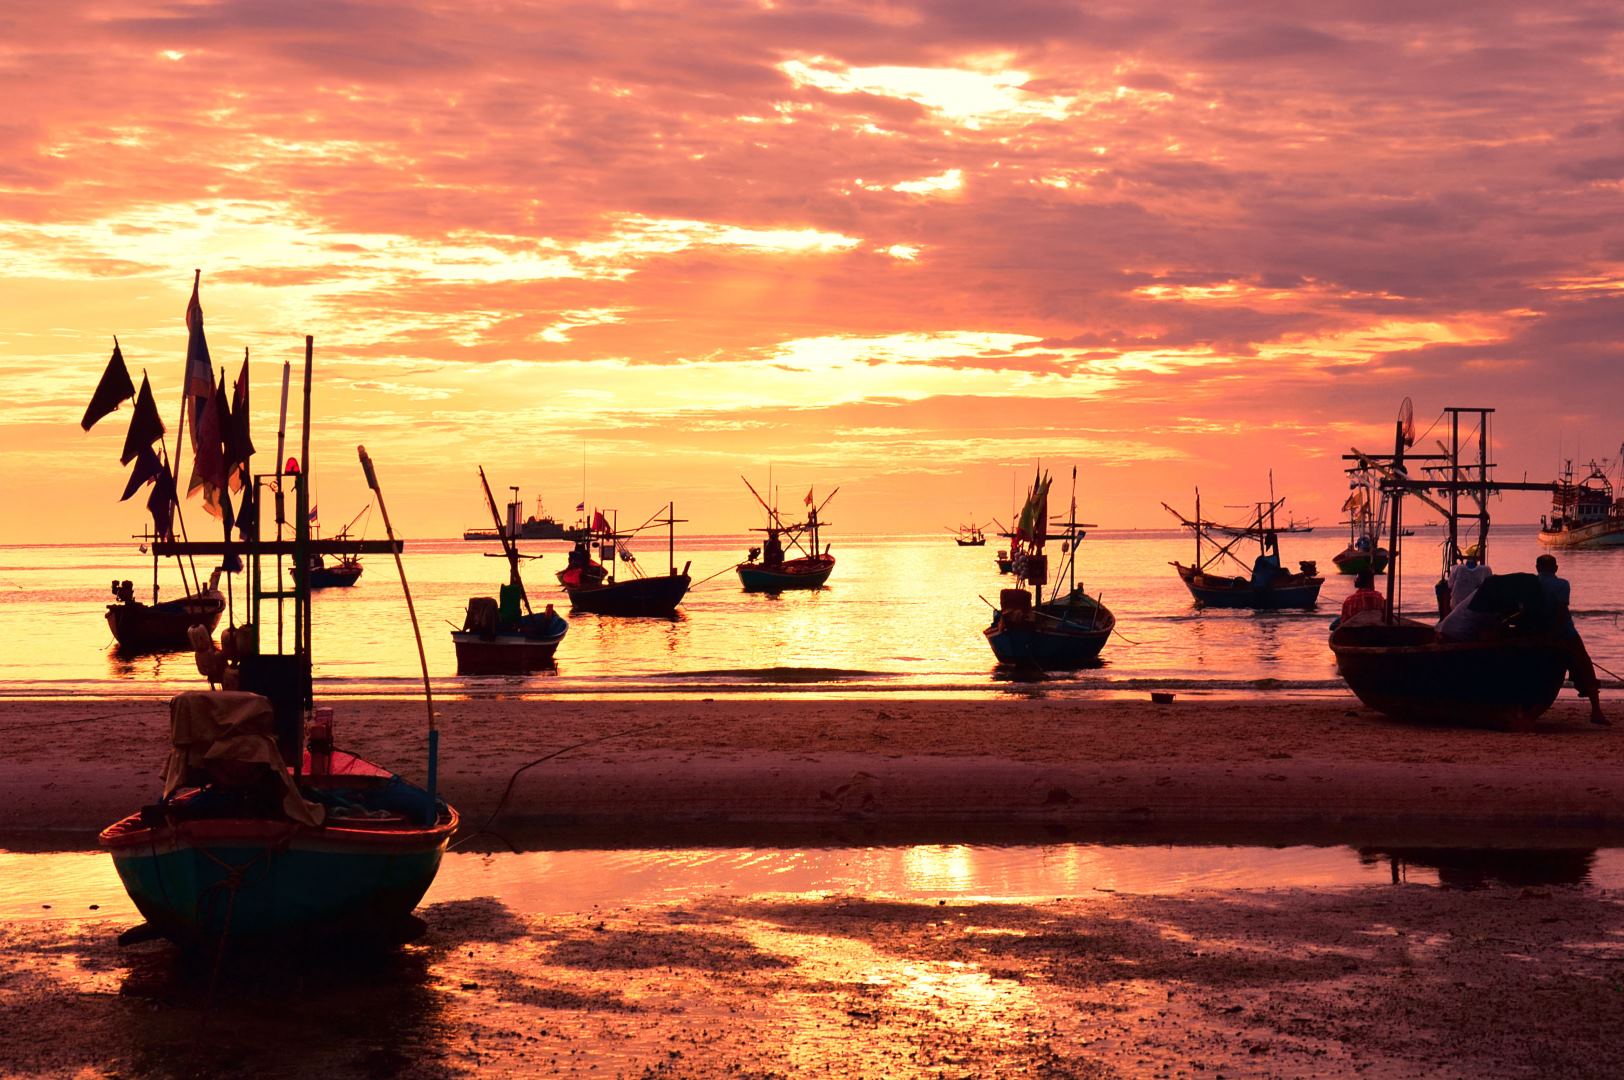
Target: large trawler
{"type": "Point", "coordinates": [1584, 513]}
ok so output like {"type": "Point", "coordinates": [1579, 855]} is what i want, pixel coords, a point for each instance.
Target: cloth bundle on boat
{"type": "Point", "coordinates": [228, 738]}
{"type": "Point", "coordinates": [483, 616]}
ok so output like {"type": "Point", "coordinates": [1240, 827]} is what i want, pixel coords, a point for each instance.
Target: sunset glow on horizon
{"type": "Point", "coordinates": [906, 249]}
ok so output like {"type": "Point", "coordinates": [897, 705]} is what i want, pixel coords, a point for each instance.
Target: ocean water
{"type": "Point", "coordinates": [901, 614]}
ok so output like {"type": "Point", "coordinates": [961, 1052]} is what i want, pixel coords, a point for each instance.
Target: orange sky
{"type": "Point", "coordinates": [904, 248]}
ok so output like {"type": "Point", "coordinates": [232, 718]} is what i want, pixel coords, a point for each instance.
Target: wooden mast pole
{"type": "Point", "coordinates": [1398, 514]}
{"type": "Point", "coordinates": [510, 547]}
{"type": "Point", "coordinates": [301, 536]}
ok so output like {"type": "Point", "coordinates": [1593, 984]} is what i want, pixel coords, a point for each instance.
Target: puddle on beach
{"type": "Point", "coordinates": [78, 884]}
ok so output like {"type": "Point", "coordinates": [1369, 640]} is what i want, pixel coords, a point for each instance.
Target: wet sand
{"type": "Point", "coordinates": [1398, 981]}
{"type": "Point", "coordinates": [691, 769]}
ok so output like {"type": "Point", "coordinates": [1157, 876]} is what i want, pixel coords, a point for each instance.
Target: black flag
{"type": "Point", "coordinates": [115, 387]}
{"type": "Point", "coordinates": [145, 426]}
{"type": "Point", "coordinates": [147, 468]}
{"type": "Point", "coordinates": [239, 440]}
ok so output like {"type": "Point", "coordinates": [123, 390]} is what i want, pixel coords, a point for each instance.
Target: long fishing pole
{"type": "Point", "coordinates": [422, 658]}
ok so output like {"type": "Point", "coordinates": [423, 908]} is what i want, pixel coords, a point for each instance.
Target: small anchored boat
{"type": "Point", "coordinates": [161, 626]}
{"type": "Point", "coordinates": [596, 588]}
{"type": "Point", "coordinates": [496, 638]}
{"type": "Point", "coordinates": [1265, 585]}
{"type": "Point", "coordinates": [770, 569]}
{"type": "Point", "coordinates": [970, 536]}
{"type": "Point", "coordinates": [1067, 630]}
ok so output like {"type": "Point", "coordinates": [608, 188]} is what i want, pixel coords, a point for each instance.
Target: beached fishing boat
{"type": "Point", "coordinates": [1405, 668]}
{"type": "Point", "coordinates": [596, 588]}
{"type": "Point", "coordinates": [1265, 584]}
{"type": "Point", "coordinates": [1584, 513]}
{"type": "Point", "coordinates": [770, 569]}
{"type": "Point", "coordinates": [1067, 630]}
{"type": "Point", "coordinates": [264, 830]}
{"type": "Point", "coordinates": [496, 637]}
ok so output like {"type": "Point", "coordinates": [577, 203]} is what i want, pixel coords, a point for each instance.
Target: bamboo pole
{"type": "Point", "coordinates": [422, 658]}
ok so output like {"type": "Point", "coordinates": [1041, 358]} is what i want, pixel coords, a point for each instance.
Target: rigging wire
{"type": "Point", "coordinates": [507, 793]}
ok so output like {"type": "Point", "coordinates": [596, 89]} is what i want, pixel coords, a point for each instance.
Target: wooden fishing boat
{"type": "Point", "coordinates": [1065, 631]}
{"type": "Point", "coordinates": [768, 570]}
{"type": "Point", "coordinates": [1366, 511]}
{"type": "Point", "coordinates": [1584, 513]}
{"type": "Point", "coordinates": [1004, 562]}
{"type": "Point", "coordinates": [496, 639]}
{"type": "Point", "coordinates": [1285, 591]}
{"type": "Point", "coordinates": [523, 649]}
{"type": "Point", "coordinates": [1068, 632]}
{"type": "Point", "coordinates": [163, 626]}
{"type": "Point", "coordinates": [1403, 668]}
{"type": "Point", "coordinates": [264, 830]}
{"type": "Point", "coordinates": [598, 589]}
{"type": "Point", "coordinates": [1265, 585]}
{"type": "Point", "coordinates": [341, 573]}
{"type": "Point", "coordinates": [970, 536]}
{"type": "Point", "coordinates": [200, 870]}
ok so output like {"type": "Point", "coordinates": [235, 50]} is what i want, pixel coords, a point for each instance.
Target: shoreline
{"type": "Point", "coordinates": [1258, 769]}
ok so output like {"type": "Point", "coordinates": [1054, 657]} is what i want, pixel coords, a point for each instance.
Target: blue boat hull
{"type": "Point", "coordinates": [1049, 650]}
{"type": "Point", "coordinates": [1290, 591]}
{"type": "Point", "coordinates": [802, 574]}
{"type": "Point", "coordinates": [254, 880]}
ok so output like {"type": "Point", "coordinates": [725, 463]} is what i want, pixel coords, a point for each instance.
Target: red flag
{"type": "Point", "coordinates": [199, 368]}
{"type": "Point", "coordinates": [599, 522]}
{"type": "Point", "coordinates": [209, 463]}
{"type": "Point", "coordinates": [808, 499]}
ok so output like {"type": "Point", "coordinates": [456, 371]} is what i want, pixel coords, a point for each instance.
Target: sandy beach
{"type": "Point", "coordinates": [1383, 982]}
{"type": "Point", "coordinates": [1260, 769]}
{"type": "Point", "coordinates": [1380, 980]}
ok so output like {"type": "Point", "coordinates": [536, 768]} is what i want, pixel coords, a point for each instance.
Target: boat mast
{"type": "Point", "coordinates": [510, 546]}
{"type": "Point", "coordinates": [1398, 514]}
{"type": "Point", "coordinates": [1198, 527]}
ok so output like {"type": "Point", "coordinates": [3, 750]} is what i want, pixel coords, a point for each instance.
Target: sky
{"type": "Point", "coordinates": [912, 250]}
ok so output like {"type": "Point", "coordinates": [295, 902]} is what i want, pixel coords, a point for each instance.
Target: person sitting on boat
{"type": "Point", "coordinates": [774, 555]}
{"type": "Point", "coordinates": [1266, 567]}
{"type": "Point", "coordinates": [579, 556]}
{"type": "Point", "coordinates": [1364, 598]}
{"type": "Point", "coordinates": [1558, 594]}
{"type": "Point", "coordinates": [1465, 578]}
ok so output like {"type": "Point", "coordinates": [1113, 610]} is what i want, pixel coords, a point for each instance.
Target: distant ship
{"type": "Point", "coordinates": [1584, 514]}
{"type": "Point", "coordinates": [538, 526]}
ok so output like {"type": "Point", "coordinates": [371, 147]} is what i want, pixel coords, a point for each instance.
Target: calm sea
{"type": "Point", "coordinates": [900, 614]}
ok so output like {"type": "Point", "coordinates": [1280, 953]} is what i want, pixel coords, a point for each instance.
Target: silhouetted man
{"type": "Point", "coordinates": [1558, 595]}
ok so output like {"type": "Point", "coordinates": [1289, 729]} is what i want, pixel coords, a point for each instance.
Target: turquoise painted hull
{"type": "Point", "coordinates": [288, 882]}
